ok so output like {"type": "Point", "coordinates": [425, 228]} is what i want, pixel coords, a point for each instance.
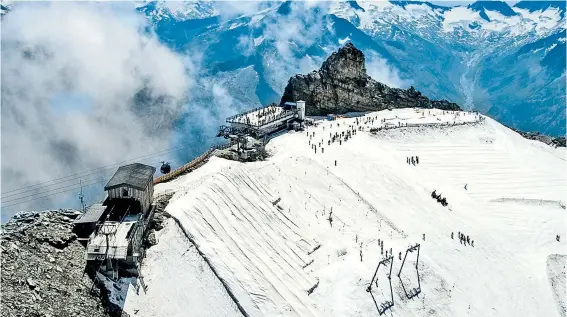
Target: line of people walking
{"type": "Point", "coordinates": [464, 239]}
{"type": "Point", "coordinates": [412, 160]}
{"type": "Point", "coordinates": [441, 200]}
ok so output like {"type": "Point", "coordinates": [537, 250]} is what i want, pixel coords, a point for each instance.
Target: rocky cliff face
{"type": "Point", "coordinates": [342, 85]}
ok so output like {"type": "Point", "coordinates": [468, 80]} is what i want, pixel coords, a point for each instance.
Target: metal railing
{"type": "Point", "coordinates": [282, 115]}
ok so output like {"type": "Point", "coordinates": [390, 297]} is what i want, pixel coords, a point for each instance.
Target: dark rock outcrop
{"type": "Point", "coordinates": [549, 140]}
{"type": "Point", "coordinates": [42, 268]}
{"type": "Point", "coordinates": [342, 85]}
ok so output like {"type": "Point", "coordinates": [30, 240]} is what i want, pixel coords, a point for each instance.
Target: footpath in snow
{"type": "Point", "coordinates": [301, 234]}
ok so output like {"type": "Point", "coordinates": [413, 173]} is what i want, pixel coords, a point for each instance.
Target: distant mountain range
{"type": "Point", "coordinates": [508, 62]}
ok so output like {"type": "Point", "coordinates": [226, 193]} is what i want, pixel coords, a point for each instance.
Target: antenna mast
{"type": "Point", "coordinates": [81, 196]}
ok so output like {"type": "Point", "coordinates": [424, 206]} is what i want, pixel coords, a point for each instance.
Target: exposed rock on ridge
{"type": "Point", "coordinates": [42, 268]}
{"type": "Point", "coordinates": [342, 85]}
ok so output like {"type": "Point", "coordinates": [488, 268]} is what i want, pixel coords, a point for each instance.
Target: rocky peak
{"type": "Point", "coordinates": [342, 85]}
{"type": "Point", "coordinates": [348, 62]}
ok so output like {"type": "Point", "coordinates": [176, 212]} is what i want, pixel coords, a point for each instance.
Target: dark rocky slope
{"type": "Point", "coordinates": [43, 265]}
{"type": "Point", "coordinates": [342, 85]}
{"type": "Point", "coordinates": [549, 140]}
{"type": "Point", "coordinates": [42, 268]}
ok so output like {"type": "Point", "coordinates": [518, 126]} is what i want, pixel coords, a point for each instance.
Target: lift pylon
{"type": "Point", "coordinates": [413, 292]}
{"type": "Point", "coordinates": [384, 306]}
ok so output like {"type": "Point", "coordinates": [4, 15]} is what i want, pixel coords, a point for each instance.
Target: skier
{"type": "Point", "coordinates": [417, 159]}
{"type": "Point", "coordinates": [468, 240]}
{"type": "Point", "coordinates": [472, 243]}
{"type": "Point", "coordinates": [424, 237]}
{"type": "Point", "coordinates": [557, 238]}
{"type": "Point", "coordinates": [451, 235]}
{"type": "Point", "coordinates": [466, 186]}
{"type": "Point", "coordinates": [400, 255]}
{"type": "Point", "coordinates": [335, 162]}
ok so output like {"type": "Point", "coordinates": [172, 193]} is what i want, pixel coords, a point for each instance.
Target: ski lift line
{"type": "Point", "coordinates": [50, 195]}
{"type": "Point", "coordinates": [106, 174]}
{"type": "Point", "coordinates": [46, 191]}
{"type": "Point", "coordinates": [99, 169]}
{"type": "Point", "coordinates": [88, 172]}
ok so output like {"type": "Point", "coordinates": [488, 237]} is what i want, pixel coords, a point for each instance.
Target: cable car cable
{"type": "Point", "coordinates": [93, 171]}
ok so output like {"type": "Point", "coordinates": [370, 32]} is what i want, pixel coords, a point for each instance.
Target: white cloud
{"type": "Point", "coordinates": [379, 70]}
{"type": "Point", "coordinates": [290, 34]}
{"type": "Point", "coordinates": [96, 57]}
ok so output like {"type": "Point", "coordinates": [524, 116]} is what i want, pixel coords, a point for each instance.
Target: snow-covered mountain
{"type": "Point", "coordinates": [300, 233]}
{"type": "Point", "coordinates": [506, 61]}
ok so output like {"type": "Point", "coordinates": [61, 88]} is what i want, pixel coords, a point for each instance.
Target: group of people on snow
{"type": "Point", "coordinates": [336, 137]}
{"type": "Point", "coordinates": [464, 239]}
{"type": "Point", "coordinates": [412, 160]}
{"type": "Point", "coordinates": [441, 200]}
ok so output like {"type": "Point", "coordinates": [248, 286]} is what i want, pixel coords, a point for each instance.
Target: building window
{"type": "Point", "coordinates": [125, 193]}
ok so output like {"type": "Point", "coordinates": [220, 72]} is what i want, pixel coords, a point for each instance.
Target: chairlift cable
{"type": "Point", "coordinates": [50, 195]}
{"type": "Point", "coordinates": [47, 188]}
{"type": "Point", "coordinates": [92, 171]}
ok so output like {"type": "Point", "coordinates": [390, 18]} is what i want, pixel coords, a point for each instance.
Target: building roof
{"type": "Point", "coordinates": [92, 214]}
{"type": "Point", "coordinates": [135, 175]}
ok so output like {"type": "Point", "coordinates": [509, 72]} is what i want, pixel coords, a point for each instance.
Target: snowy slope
{"type": "Point", "coordinates": [264, 226]}
{"type": "Point", "coordinates": [179, 282]}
